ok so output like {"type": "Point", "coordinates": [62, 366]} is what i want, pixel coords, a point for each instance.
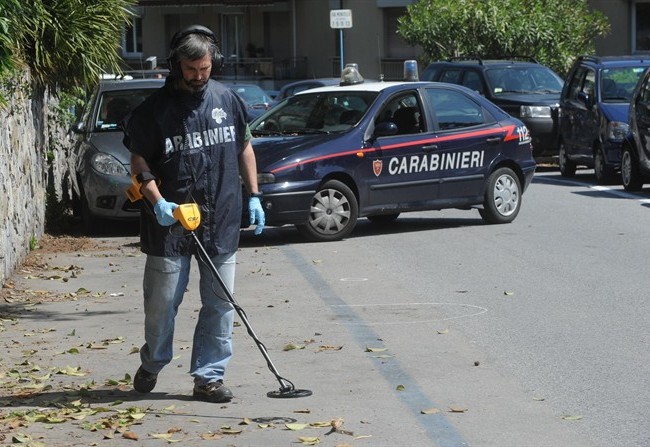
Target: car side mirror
{"type": "Point", "coordinates": [585, 99]}
{"type": "Point", "coordinates": [385, 129]}
{"type": "Point", "coordinates": [78, 127]}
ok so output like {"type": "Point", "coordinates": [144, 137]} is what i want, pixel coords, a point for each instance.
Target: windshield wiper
{"type": "Point", "coordinates": [267, 132]}
{"type": "Point", "coordinates": [309, 131]}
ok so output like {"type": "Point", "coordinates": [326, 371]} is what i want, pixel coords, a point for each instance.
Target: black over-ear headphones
{"type": "Point", "coordinates": [174, 63]}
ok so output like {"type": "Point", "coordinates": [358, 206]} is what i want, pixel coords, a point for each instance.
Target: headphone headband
{"type": "Point", "coordinates": [192, 29]}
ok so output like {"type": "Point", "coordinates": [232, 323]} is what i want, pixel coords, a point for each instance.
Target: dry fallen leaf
{"type": "Point", "coordinates": [292, 346]}
{"type": "Point", "coordinates": [329, 348]}
{"type": "Point", "coordinates": [457, 410]}
{"type": "Point", "coordinates": [376, 349]}
{"type": "Point", "coordinates": [130, 435]}
{"type": "Point", "coordinates": [296, 427]}
{"type": "Point", "coordinates": [430, 411]}
{"type": "Point", "coordinates": [571, 418]}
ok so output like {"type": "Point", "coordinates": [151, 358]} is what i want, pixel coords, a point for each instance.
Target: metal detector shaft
{"type": "Point", "coordinates": [285, 385]}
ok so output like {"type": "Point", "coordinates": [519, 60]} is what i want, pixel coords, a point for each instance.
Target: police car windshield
{"type": "Point", "coordinates": [309, 113]}
{"type": "Point", "coordinates": [530, 79]}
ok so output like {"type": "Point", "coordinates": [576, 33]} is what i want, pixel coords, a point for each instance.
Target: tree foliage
{"type": "Point", "coordinates": [552, 31]}
{"type": "Point", "coordinates": [66, 44]}
{"type": "Point", "coordinates": [8, 9]}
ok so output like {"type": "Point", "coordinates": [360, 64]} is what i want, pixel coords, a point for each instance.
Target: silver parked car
{"type": "Point", "coordinates": [103, 162]}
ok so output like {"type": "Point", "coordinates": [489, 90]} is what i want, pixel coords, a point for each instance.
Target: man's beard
{"type": "Point", "coordinates": [195, 86]}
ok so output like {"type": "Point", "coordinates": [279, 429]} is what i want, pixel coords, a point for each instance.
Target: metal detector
{"type": "Point", "coordinates": [189, 217]}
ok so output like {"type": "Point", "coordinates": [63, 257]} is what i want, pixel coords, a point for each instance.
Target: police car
{"type": "Point", "coordinates": [331, 155]}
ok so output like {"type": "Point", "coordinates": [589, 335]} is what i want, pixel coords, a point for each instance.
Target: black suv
{"type": "Point", "coordinates": [524, 89]}
{"type": "Point", "coordinates": [593, 113]}
{"type": "Point", "coordinates": [635, 157]}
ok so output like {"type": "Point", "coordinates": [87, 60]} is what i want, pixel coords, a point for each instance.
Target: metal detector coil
{"type": "Point", "coordinates": [190, 218]}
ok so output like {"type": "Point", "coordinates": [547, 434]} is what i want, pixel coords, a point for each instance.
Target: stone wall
{"type": "Point", "coordinates": [34, 150]}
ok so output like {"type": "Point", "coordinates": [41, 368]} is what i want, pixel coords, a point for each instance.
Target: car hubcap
{"type": "Point", "coordinates": [506, 195]}
{"type": "Point", "coordinates": [330, 211]}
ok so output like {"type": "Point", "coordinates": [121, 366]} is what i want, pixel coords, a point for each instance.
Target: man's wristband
{"type": "Point", "coordinates": [145, 176]}
{"type": "Point", "coordinates": [259, 195]}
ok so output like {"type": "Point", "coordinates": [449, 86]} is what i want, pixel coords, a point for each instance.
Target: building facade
{"type": "Point", "coordinates": [272, 42]}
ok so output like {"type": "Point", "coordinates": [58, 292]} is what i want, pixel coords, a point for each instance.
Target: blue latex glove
{"type": "Point", "coordinates": [163, 210]}
{"type": "Point", "coordinates": [256, 213]}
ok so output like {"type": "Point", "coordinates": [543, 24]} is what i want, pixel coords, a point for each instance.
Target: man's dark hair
{"type": "Point", "coordinates": [191, 44]}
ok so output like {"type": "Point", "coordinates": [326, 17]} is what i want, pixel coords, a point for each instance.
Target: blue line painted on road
{"type": "Point", "coordinates": [437, 427]}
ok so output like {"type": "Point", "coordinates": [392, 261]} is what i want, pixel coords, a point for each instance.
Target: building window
{"type": "Point", "coordinates": [132, 39]}
{"type": "Point", "coordinates": [642, 26]}
{"type": "Point", "coordinates": [395, 46]}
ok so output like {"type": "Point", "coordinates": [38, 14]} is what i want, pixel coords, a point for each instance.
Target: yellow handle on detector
{"type": "Point", "coordinates": [188, 215]}
{"type": "Point", "coordinates": [133, 193]}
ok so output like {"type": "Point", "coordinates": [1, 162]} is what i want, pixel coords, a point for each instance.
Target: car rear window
{"type": "Point", "coordinates": [523, 80]}
{"type": "Point", "coordinates": [115, 105]}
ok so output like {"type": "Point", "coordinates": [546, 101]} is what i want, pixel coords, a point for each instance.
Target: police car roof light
{"type": "Point", "coordinates": [350, 75]}
{"type": "Point", "coordinates": [411, 70]}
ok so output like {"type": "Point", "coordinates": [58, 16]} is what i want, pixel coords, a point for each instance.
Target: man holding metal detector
{"type": "Point", "coordinates": [190, 143]}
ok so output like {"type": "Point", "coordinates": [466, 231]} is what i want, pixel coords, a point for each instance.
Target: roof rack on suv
{"type": "Point", "coordinates": [604, 59]}
{"type": "Point", "coordinates": [482, 61]}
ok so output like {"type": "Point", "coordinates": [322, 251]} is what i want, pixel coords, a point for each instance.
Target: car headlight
{"type": "Point", "coordinates": [107, 164]}
{"type": "Point", "coordinates": [616, 130]}
{"type": "Point", "coordinates": [535, 112]}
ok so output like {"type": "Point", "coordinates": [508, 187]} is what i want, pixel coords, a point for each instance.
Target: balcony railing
{"type": "Point", "coordinates": [260, 68]}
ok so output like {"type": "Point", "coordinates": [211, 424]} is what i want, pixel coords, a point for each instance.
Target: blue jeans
{"type": "Point", "coordinates": [165, 281]}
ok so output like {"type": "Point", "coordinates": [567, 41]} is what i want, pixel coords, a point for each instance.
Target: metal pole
{"type": "Point", "coordinates": [341, 39]}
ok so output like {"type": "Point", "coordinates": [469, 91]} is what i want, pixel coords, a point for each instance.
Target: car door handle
{"type": "Point", "coordinates": [494, 140]}
{"type": "Point", "coordinates": [430, 147]}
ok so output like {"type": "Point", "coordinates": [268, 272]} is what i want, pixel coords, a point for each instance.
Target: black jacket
{"type": "Point", "coordinates": [192, 144]}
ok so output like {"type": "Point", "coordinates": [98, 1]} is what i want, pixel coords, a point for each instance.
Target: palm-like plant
{"type": "Point", "coordinates": [67, 43]}
{"type": "Point", "coordinates": [10, 11]}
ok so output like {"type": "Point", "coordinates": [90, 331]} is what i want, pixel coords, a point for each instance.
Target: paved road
{"type": "Point", "coordinates": [529, 334]}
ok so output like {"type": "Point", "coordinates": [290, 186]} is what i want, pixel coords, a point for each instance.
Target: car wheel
{"type": "Point", "coordinates": [567, 167]}
{"type": "Point", "coordinates": [602, 172]}
{"type": "Point", "coordinates": [382, 219]}
{"type": "Point", "coordinates": [333, 213]}
{"type": "Point", "coordinates": [630, 174]}
{"type": "Point", "coordinates": [502, 197]}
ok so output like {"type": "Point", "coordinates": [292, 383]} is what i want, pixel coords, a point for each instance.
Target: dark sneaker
{"type": "Point", "coordinates": [144, 381]}
{"type": "Point", "coordinates": [215, 392]}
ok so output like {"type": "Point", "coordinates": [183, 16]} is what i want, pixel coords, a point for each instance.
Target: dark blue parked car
{"type": "Point", "coordinates": [594, 113]}
{"type": "Point", "coordinates": [330, 155]}
{"type": "Point", "coordinates": [635, 154]}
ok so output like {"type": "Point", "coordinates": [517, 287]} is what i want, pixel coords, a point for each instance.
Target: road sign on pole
{"type": "Point", "coordinates": [340, 19]}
